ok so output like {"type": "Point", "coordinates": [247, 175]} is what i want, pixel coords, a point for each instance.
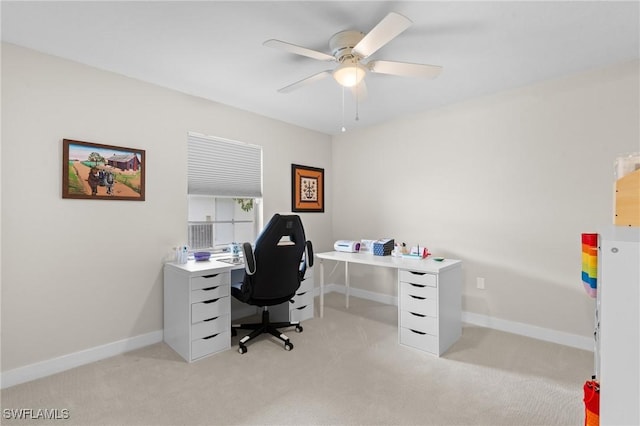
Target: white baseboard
{"type": "Point", "coordinates": [357, 292]}
{"type": "Point", "coordinates": [76, 359]}
{"type": "Point", "coordinates": [535, 332]}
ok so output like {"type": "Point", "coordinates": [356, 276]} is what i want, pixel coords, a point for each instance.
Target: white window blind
{"type": "Point", "coordinates": [222, 167]}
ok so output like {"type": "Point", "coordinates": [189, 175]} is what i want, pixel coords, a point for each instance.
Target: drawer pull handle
{"type": "Point", "coordinates": [210, 337]}
{"type": "Point", "coordinates": [417, 315]}
{"type": "Point", "coordinates": [209, 288]}
{"type": "Point", "coordinates": [417, 273]}
{"type": "Point", "coordinates": [210, 319]}
{"type": "Point", "coordinates": [415, 297]}
{"type": "Point", "coordinates": [210, 276]}
{"type": "Point", "coordinates": [211, 301]}
{"type": "Point", "coordinates": [418, 285]}
{"type": "Point", "coordinates": [301, 308]}
{"type": "Point", "coordinates": [417, 332]}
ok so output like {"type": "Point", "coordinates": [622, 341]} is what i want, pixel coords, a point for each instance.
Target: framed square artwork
{"type": "Point", "coordinates": [307, 189]}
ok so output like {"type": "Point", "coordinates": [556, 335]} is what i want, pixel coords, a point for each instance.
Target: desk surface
{"type": "Point", "coordinates": [420, 265]}
{"type": "Point", "coordinates": [194, 267]}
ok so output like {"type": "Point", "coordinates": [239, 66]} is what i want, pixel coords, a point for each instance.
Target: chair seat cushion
{"type": "Point", "coordinates": [244, 296]}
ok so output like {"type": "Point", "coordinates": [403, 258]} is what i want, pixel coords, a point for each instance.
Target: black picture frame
{"type": "Point", "coordinates": [307, 189]}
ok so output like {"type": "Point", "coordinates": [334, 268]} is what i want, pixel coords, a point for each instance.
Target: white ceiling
{"type": "Point", "coordinates": [214, 50]}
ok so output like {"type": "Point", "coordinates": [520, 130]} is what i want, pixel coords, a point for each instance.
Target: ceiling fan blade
{"type": "Point", "coordinates": [404, 69]}
{"type": "Point", "coordinates": [298, 50]}
{"type": "Point", "coordinates": [359, 91]}
{"type": "Point", "coordinates": [386, 30]}
{"type": "Point", "coordinates": [305, 81]}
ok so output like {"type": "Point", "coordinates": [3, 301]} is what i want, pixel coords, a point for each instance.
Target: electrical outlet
{"type": "Point", "coordinates": [480, 283]}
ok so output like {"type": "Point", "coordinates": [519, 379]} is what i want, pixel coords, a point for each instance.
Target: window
{"type": "Point", "coordinates": [225, 192]}
{"type": "Point", "coordinates": [215, 222]}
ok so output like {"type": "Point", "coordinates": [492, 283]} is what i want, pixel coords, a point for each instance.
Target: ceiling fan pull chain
{"type": "Point", "coordinates": [343, 128]}
{"type": "Point", "coordinates": [357, 103]}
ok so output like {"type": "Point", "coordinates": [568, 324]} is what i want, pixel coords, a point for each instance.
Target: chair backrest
{"type": "Point", "coordinates": [278, 253]}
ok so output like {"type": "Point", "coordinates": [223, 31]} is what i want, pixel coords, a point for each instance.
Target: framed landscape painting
{"type": "Point", "coordinates": [307, 189]}
{"type": "Point", "coordinates": [102, 172]}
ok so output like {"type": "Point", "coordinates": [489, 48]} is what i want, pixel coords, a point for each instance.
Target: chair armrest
{"type": "Point", "coordinates": [306, 261]}
{"type": "Point", "coordinates": [249, 259]}
{"type": "Point", "coordinates": [309, 256]}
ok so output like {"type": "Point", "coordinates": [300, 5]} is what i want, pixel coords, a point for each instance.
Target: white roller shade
{"type": "Point", "coordinates": [224, 168]}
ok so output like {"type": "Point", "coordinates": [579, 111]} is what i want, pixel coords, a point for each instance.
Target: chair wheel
{"type": "Point", "coordinates": [242, 349]}
{"type": "Point", "coordinates": [299, 328]}
{"type": "Point", "coordinates": [288, 346]}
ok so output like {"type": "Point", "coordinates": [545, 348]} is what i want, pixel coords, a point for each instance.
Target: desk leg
{"type": "Point", "coordinates": [346, 282]}
{"type": "Point", "coordinates": [321, 288]}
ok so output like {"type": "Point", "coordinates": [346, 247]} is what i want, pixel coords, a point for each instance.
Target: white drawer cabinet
{"type": "Point", "coordinates": [418, 278]}
{"type": "Point", "coordinates": [418, 298]}
{"type": "Point", "coordinates": [429, 309]}
{"type": "Point", "coordinates": [197, 309]}
{"type": "Point", "coordinates": [419, 322]}
{"type": "Point", "coordinates": [209, 281]}
{"type": "Point", "coordinates": [419, 340]}
{"type": "Point", "coordinates": [210, 345]}
{"type": "Point", "coordinates": [210, 293]}
{"type": "Point", "coordinates": [209, 309]}
{"type": "Point", "coordinates": [210, 327]}
{"type": "Point", "coordinates": [302, 307]}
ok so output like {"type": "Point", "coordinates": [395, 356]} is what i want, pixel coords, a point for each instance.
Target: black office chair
{"type": "Point", "coordinates": [273, 273]}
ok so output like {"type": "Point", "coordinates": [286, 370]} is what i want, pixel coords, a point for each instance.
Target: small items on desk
{"type": "Point", "coordinates": [182, 254]}
{"type": "Point", "coordinates": [201, 256]}
{"type": "Point", "coordinates": [383, 247]}
{"type": "Point", "coordinates": [347, 246]}
{"type": "Point", "coordinates": [416, 252]}
{"type": "Point", "coordinates": [400, 249]}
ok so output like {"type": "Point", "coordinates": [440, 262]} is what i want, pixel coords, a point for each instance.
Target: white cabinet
{"type": "Point", "coordinates": [429, 297]}
{"type": "Point", "coordinates": [619, 293]}
{"type": "Point", "coordinates": [429, 309]}
{"type": "Point", "coordinates": [197, 309]}
{"type": "Point", "coordinates": [302, 307]}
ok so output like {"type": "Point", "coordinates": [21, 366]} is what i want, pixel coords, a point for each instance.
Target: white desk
{"type": "Point", "coordinates": [197, 306]}
{"type": "Point", "coordinates": [429, 297]}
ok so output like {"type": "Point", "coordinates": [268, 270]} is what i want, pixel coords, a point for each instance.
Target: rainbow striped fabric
{"type": "Point", "coordinates": [590, 263]}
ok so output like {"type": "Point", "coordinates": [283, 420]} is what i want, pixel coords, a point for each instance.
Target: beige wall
{"type": "Point", "coordinates": [507, 183]}
{"type": "Point", "coordinates": [78, 274]}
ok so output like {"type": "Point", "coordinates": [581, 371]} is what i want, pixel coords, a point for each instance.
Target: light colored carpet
{"type": "Point", "coordinates": [346, 368]}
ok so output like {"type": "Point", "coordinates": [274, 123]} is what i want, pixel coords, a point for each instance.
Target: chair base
{"type": "Point", "coordinates": [264, 327]}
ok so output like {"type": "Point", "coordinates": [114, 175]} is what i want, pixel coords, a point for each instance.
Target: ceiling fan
{"type": "Point", "coordinates": [351, 48]}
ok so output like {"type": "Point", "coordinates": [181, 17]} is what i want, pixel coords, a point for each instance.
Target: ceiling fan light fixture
{"type": "Point", "coordinates": [349, 73]}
